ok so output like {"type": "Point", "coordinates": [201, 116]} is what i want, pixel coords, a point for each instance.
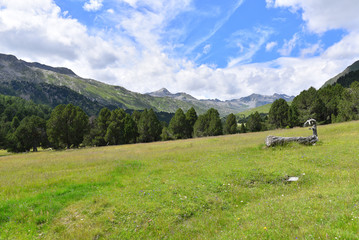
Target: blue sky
{"type": "Point", "coordinates": [215, 32]}
{"type": "Point", "coordinates": [211, 49]}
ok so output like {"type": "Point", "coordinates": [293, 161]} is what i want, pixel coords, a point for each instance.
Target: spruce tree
{"type": "Point", "coordinates": [15, 123]}
{"type": "Point", "coordinates": [208, 124]}
{"type": "Point", "coordinates": [215, 125]}
{"type": "Point", "coordinates": [103, 119]}
{"type": "Point", "coordinates": [130, 129]}
{"type": "Point", "coordinates": [149, 127]}
{"type": "Point", "coordinates": [243, 128]}
{"type": "Point", "coordinates": [200, 127]}
{"type": "Point", "coordinates": [31, 133]}
{"type": "Point", "coordinates": [179, 125]}
{"type": "Point", "coordinates": [278, 113]}
{"type": "Point", "coordinates": [230, 126]}
{"type": "Point", "coordinates": [115, 133]}
{"type": "Point", "coordinates": [254, 123]}
{"type": "Point", "coordinates": [191, 117]}
{"type": "Point", "coordinates": [67, 126]}
{"type": "Point", "coordinates": [349, 105]}
{"type": "Point", "coordinates": [293, 116]}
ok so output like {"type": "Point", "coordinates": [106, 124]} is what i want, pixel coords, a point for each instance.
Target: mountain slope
{"type": "Point", "coordinates": [52, 86]}
{"type": "Point", "coordinates": [49, 85]}
{"type": "Point", "coordinates": [351, 68]}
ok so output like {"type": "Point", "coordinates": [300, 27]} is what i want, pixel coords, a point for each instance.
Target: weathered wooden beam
{"type": "Point", "coordinates": [274, 140]}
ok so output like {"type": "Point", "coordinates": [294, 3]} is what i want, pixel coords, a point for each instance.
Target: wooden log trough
{"type": "Point", "coordinates": [311, 140]}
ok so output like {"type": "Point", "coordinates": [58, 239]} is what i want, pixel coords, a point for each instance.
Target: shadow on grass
{"type": "Point", "coordinates": [43, 207]}
{"type": "Point", "coordinates": [35, 213]}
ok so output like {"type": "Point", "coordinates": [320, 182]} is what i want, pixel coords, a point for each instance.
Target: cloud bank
{"type": "Point", "coordinates": [132, 52]}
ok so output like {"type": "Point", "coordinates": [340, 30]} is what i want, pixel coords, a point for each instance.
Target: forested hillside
{"type": "Point", "coordinates": [348, 79]}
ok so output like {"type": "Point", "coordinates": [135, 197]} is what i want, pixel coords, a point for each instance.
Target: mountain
{"type": "Point", "coordinates": [229, 106]}
{"type": "Point", "coordinates": [352, 68]}
{"type": "Point", "coordinates": [56, 85]}
{"type": "Point", "coordinates": [257, 100]}
{"type": "Point", "coordinates": [53, 86]}
{"type": "Point", "coordinates": [163, 92]}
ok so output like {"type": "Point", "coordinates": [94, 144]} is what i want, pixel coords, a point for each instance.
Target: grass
{"type": "Point", "coordinates": [228, 187]}
{"type": "Point", "coordinates": [260, 109]}
{"type": "Point", "coordinates": [4, 153]}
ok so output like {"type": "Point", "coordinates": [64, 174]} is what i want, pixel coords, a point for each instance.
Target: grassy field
{"type": "Point", "coordinates": [229, 187]}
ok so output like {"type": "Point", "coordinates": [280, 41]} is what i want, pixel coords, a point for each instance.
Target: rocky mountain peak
{"type": "Point", "coordinates": [16, 64]}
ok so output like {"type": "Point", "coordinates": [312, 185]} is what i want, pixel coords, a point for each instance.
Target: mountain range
{"type": "Point", "coordinates": [252, 101]}
{"type": "Point", "coordinates": [57, 85]}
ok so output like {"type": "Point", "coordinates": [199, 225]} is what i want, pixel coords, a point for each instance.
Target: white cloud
{"type": "Point", "coordinates": [217, 26]}
{"type": "Point", "coordinates": [206, 49]}
{"type": "Point", "coordinates": [270, 46]}
{"type": "Point", "coordinates": [249, 42]}
{"type": "Point", "coordinates": [288, 46]}
{"type": "Point", "coordinates": [323, 15]}
{"type": "Point", "coordinates": [311, 50]}
{"type": "Point", "coordinates": [270, 3]}
{"type": "Point", "coordinates": [93, 5]}
{"type": "Point", "coordinates": [135, 58]}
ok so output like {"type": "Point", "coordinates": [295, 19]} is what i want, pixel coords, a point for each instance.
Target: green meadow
{"type": "Point", "coordinates": [261, 109]}
{"type": "Point", "coordinates": [228, 187]}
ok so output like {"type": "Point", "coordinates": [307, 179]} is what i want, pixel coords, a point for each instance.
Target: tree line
{"type": "Point", "coordinates": [26, 125]}
{"type": "Point", "coordinates": [329, 104]}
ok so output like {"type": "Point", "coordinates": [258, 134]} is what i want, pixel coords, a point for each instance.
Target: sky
{"type": "Point", "coordinates": [224, 49]}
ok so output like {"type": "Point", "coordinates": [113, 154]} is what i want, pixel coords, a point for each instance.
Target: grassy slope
{"type": "Point", "coordinates": [108, 94]}
{"type": "Point", "coordinates": [228, 187]}
{"type": "Point", "coordinates": [260, 109]}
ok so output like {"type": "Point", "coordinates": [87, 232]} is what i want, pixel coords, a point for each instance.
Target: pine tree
{"type": "Point", "coordinates": [349, 105]}
{"type": "Point", "coordinates": [191, 117]}
{"type": "Point", "coordinates": [149, 127]}
{"type": "Point", "coordinates": [200, 127]}
{"type": "Point", "coordinates": [208, 124]}
{"type": "Point", "coordinates": [304, 103]}
{"type": "Point", "coordinates": [293, 119]}
{"type": "Point", "coordinates": [254, 123]}
{"type": "Point", "coordinates": [165, 135]}
{"type": "Point", "coordinates": [103, 119]}
{"type": "Point", "coordinates": [67, 126]}
{"type": "Point", "coordinates": [179, 125]}
{"type": "Point", "coordinates": [331, 96]}
{"type": "Point", "coordinates": [230, 126]}
{"type": "Point", "coordinates": [130, 129]}
{"type": "Point", "coordinates": [15, 123]}
{"type": "Point", "coordinates": [115, 133]}
{"type": "Point", "coordinates": [136, 115]}
{"type": "Point", "coordinates": [243, 128]}
{"type": "Point", "coordinates": [278, 113]}
{"type": "Point", "coordinates": [31, 133]}
{"type": "Point", "coordinates": [215, 125]}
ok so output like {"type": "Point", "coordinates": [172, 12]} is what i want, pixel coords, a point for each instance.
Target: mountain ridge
{"type": "Point", "coordinates": [253, 100]}
{"type": "Point", "coordinates": [55, 85]}
{"type": "Point", "coordinates": [353, 67]}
